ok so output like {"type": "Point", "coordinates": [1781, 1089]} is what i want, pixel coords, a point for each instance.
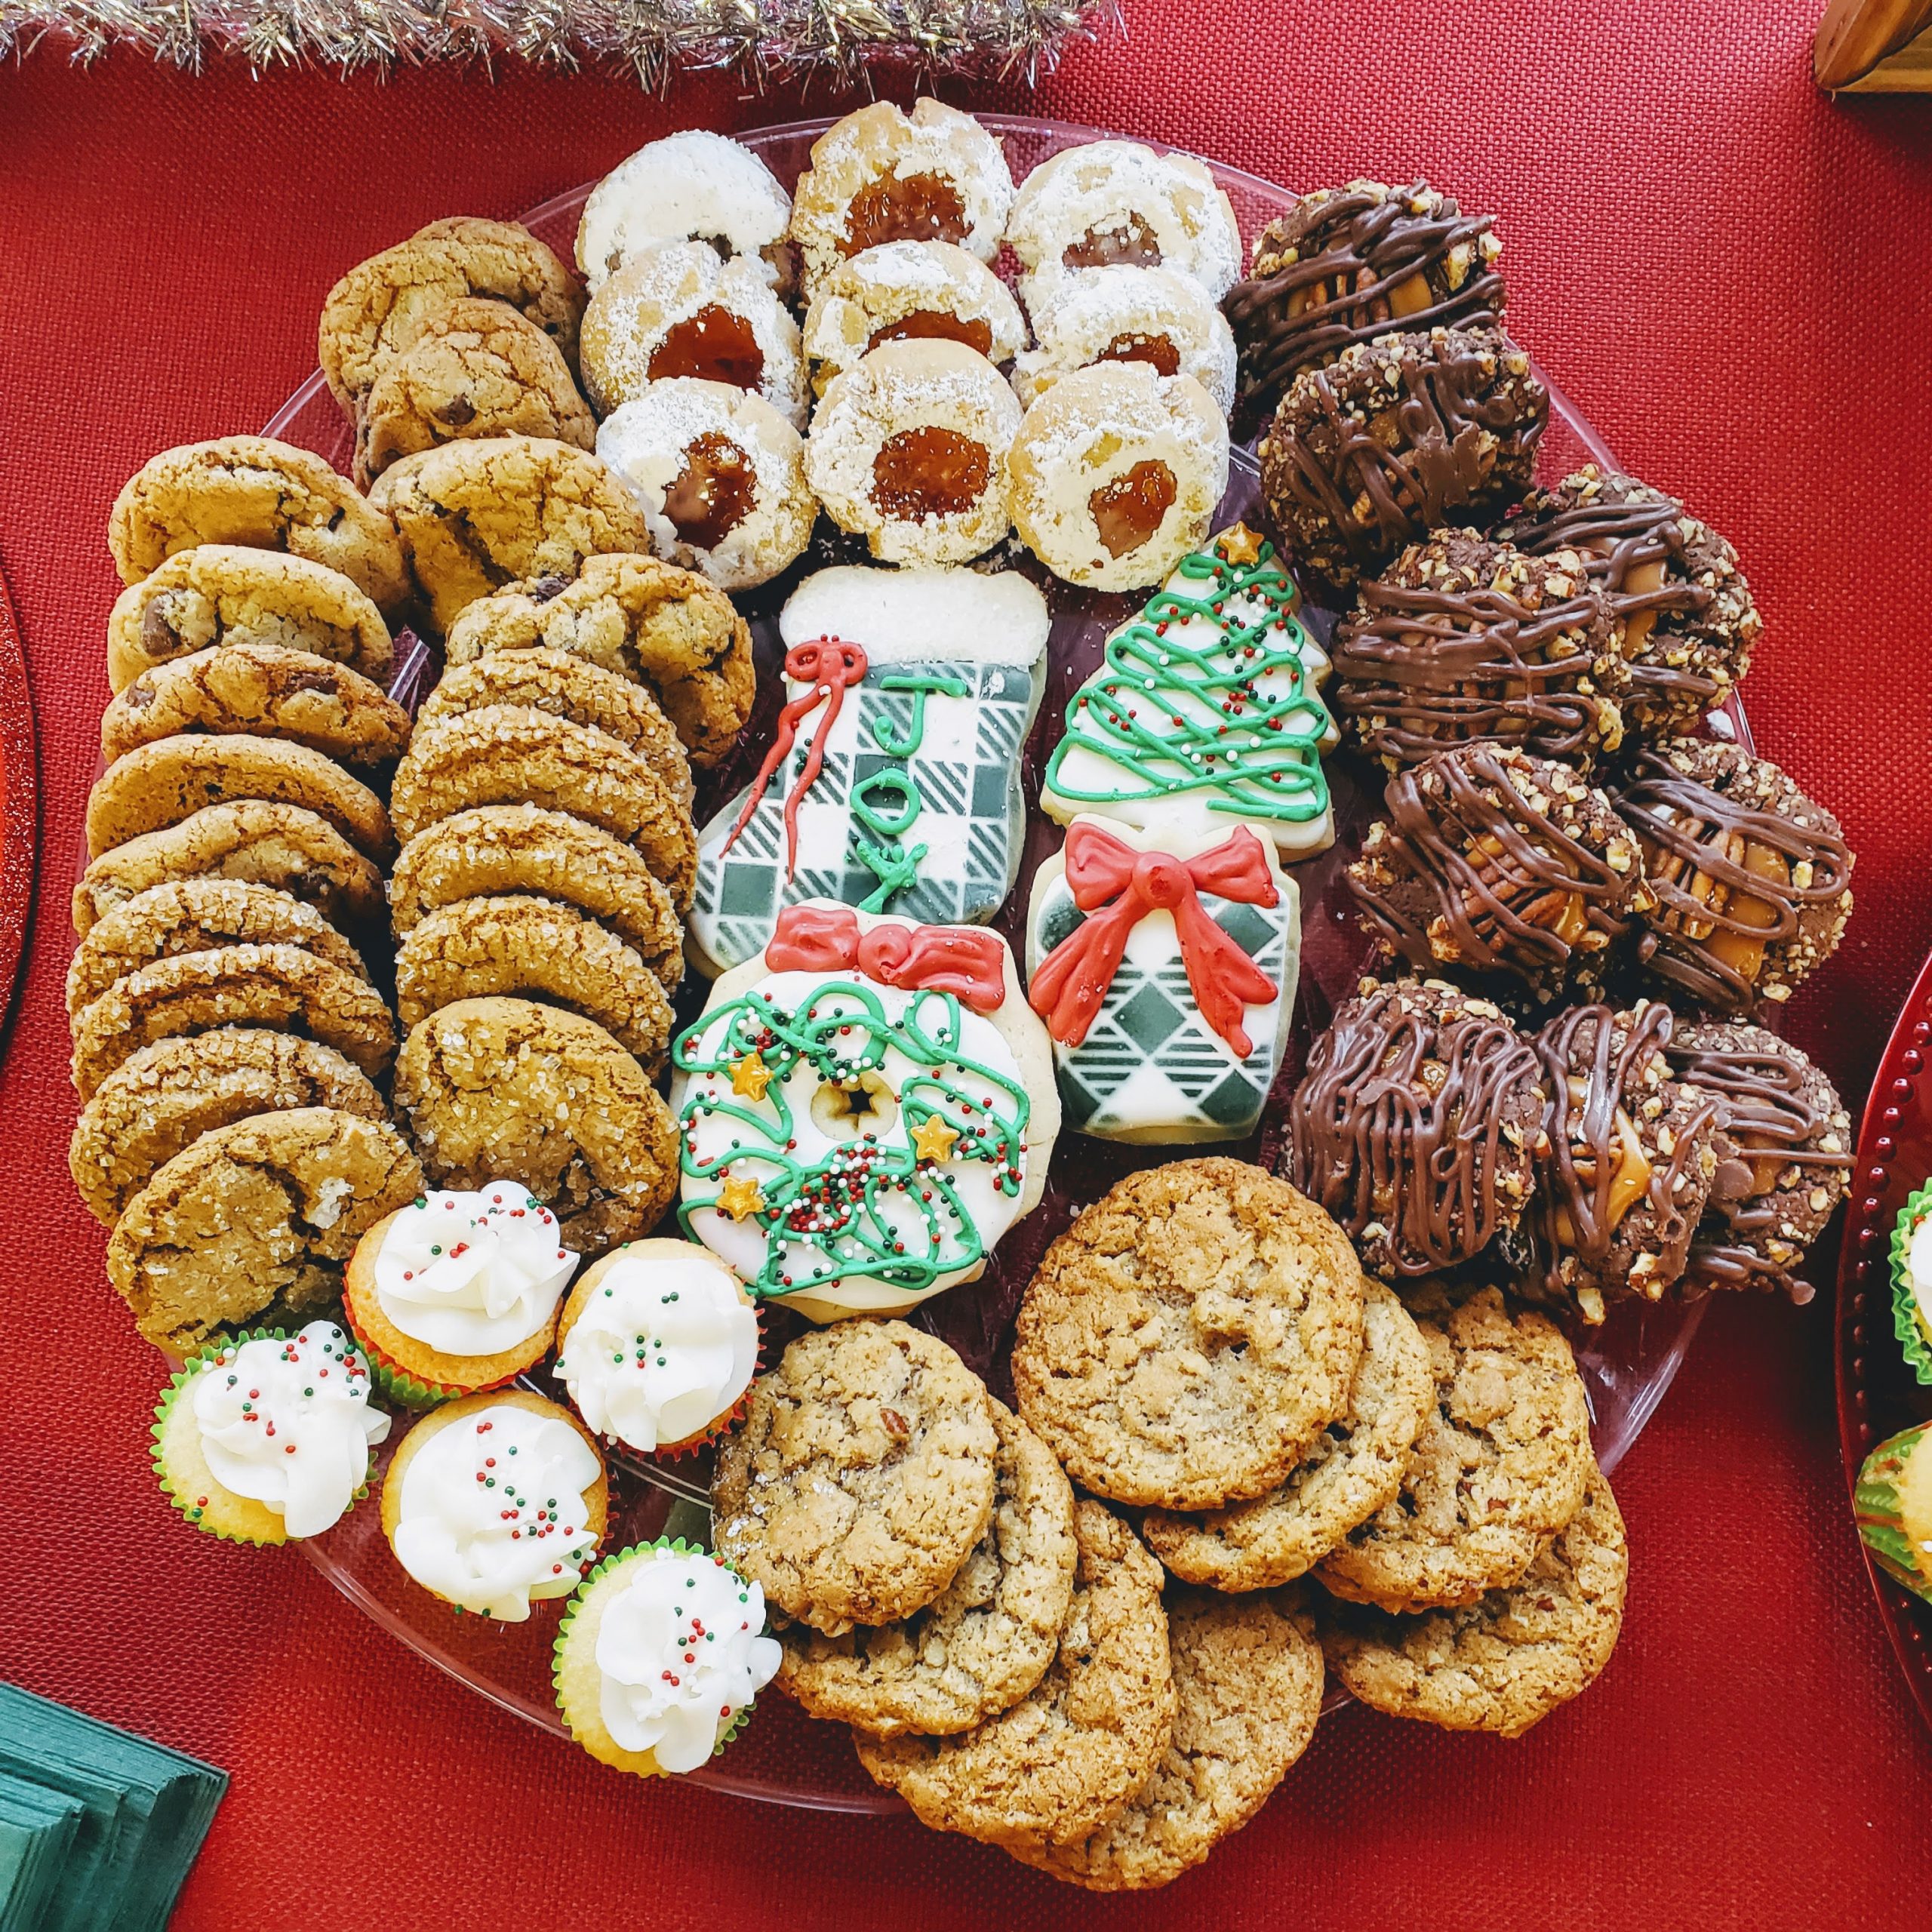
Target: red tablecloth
{"type": "Point", "coordinates": [1731, 277]}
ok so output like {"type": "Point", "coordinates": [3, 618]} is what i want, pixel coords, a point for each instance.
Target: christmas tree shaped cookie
{"type": "Point", "coordinates": [863, 1110]}
{"type": "Point", "coordinates": [893, 784]}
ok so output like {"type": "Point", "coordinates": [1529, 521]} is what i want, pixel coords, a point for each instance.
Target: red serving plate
{"type": "Point", "coordinates": [20, 788]}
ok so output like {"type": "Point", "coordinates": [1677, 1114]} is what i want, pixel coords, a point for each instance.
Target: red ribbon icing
{"type": "Point", "coordinates": [830, 667]}
{"type": "Point", "coordinates": [967, 962]}
{"type": "Point", "coordinates": [1117, 887]}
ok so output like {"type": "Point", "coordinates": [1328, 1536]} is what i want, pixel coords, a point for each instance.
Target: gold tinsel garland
{"type": "Point", "coordinates": [767, 39]}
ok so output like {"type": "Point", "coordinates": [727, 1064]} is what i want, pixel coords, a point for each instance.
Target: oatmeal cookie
{"type": "Point", "coordinates": [259, 494]}
{"type": "Point", "coordinates": [165, 1098]}
{"type": "Point", "coordinates": [1506, 1661]}
{"type": "Point", "coordinates": [1189, 1337]}
{"type": "Point", "coordinates": [1063, 1763]}
{"type": "Point", "coordinates": [1247, 1690]}
{"type": "Point", "coordinates": [159, 785]}
{"type": "Point", "coordinates": [381, 305]}
{"type": "Point", "coordinates": [1501, 1465]}
{"type": "Point", "coordinates": [507, 753]}
{"type": "Point", "coordinates": [495, 849]}
{"type": "Point", "coordinates": [478, 947]}
{"type": "Point", "coordinates": [507, 1090]}
{"type": "Point", "coordinates": [863, 1478]}
{"type": "Point", "coordinates": [983, 1643]}
{"type": "Point", "coordinates": [666, 627]}
{"type": "Point", "coordinates": [222, 594]}
{"type": "Point", "coordinates": [285, 987]}
{"type": "Point", "coordinates": [266, 691]}
{"type": "Point", "coordinates": [1353, 1470]}
{"type": "Point", "coordinates": [475, 516]}
{"type": "Point", "coordinates": [251, 839]}
{"type": "Point", "coordinates": [254, 1223]}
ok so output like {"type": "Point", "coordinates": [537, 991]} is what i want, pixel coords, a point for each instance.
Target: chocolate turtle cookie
{"type": "Point", "coordinates": [265, 690]}
{"type": "Point", "coordinates": [1501, 1463]}
{"type": "Point", "coordinates": [508, 1090]}
{"type": "Point", "coordinates": [1064, 1762]}
{"type": "Point", "coordinates": [1348, 264]}
{"type": "Point", "coordinates": [667, 628]}
{"type": "Point", "coordinates": [1491, 861]}
{"type": "Point", "coordinates": [1503, 1663]}
{"type": "Point", "coordinates": [1751, 880]}
{"type": "Point", "coordinates": [532, 948]}
{"type": "Point", "coordinates": [254, 1222]}
{"type": "Point", "coordinates": [166, 1096]}
{"type": "Point", "coordinates": [476, 516]}
{"type": "Point", "coordinates": [863, 1478]}
{"type": "Point", "coordinates": [260, 495]}
{"type": "Point", "coordinates": [222, 594]}
{"type": "Point", "coordinates": [1417, 1124]}
{"type": "Point", "coordinates": [1461, 639]}
{"type": "Point", "coordinates": [1398, 437]}
{"type": "Point", "coordinates": [251, 839]}
{"type": "Point", "coordinates": [1689, 618]}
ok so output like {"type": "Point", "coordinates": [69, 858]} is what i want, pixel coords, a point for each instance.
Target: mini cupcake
{"type": "Point", "coordinates": [457, 1292]}
{"type": "Point", "coordinates": [1911, 1281]}
{"type": "Point", "coordinates": [660, 1657]}
{"type": "Point", "coordinates": [265, 1438]}
{"type": "Point", "coordinates": [495, 1502]}
{"type": "Point", "coordinates": [1892, 1504]}
{"type": "Point", "coordinates": [658, 1344]}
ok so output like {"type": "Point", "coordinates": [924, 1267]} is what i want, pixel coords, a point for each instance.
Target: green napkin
{"type": "Point", "coordinates": [37, 1828]}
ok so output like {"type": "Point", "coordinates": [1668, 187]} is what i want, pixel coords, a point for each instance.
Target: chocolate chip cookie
{"type": "Point", "coordinates": [496, 849]}
{"type": "Point", "coordinates": [1500, 1465]}
{"type": "Point", "coordinates": [1064, 1761]}
{"type": "Point", "coordinates": [664, 626]}
{"type": "Point", "coordinates": [863, 1478]}
{"type": "Point", "coordinates": [1187, 1338]}
{"type": "Point", "coordinates": [1505, 1662]}
{"type": "Point", "coordinates": [533, 947]}
{"type": "Point", "coordinates": [252, 839]}
{"type": "Point", "coordinates": [505, 1089]}
{"type": "Point", "coordinates": [165, 1098]}
{"type": "Point", "coordinates": [473, 517]}
{"type": "Point", "coordinates": [510, 754]}
{"type": "Point", "coordinates": [259, 494]}
{"type": "Point", "coordinates": [1247, 1684]}
{"type": "Point", "coordinates": [222, 594]}
{"type": "Point", "coordinates": [254, 1222]}
{"type": "Point", "coordinates": [984, 1642]}
{"type": "Point", "coordinates": [1354, 1468]}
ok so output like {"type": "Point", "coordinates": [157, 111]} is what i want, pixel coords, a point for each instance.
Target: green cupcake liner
{"type": "Point", "coordinates": [1877, 1511]}
{"type": "Point", "coordinates": [1906, 1323]}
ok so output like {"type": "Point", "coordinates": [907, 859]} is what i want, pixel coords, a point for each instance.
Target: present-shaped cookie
{"type": "Point", "coordinates": [893, 784]}
{"type": "Point", "coordinates": [1165, 963]}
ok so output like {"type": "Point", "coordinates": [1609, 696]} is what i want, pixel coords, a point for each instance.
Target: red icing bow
{"type": "Point", "coordinates": [967, 962]}
{"type": "Point", "coordinates": [1117, 887]}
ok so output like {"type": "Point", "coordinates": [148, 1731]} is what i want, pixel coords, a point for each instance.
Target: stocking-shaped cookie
{"type": "Point", "coordinates": [893, 783]}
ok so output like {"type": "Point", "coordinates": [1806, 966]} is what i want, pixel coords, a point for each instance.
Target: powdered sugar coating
{"type": "Point", "coordinates": [1099, 307]}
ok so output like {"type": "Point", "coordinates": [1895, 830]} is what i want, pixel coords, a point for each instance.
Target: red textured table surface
{"type": "Point", "coordinates": [1730, 277]}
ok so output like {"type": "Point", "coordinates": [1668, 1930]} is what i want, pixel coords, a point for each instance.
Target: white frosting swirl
{"type": "Point", "coordinates": [473, 1273]}
{"type": "Point", "coordinates": [1918, 1267]}
{"type": "Point", "coordinates": [681, 1651]}
{"type": "Point", "coordinates": [288, 1424]}
{"type": "Point", "coordinates": [664, 1346]}
{"type": "Point", "coordinates": [493, 1509]}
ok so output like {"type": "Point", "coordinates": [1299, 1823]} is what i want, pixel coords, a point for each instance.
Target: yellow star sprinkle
{"type": "Point", "coordinates": [933, 1138]}
{"type": "Point", "coordinates": [1239, 545]}
{"type": "Point", "coordinates": [750, 1076]}
{"type": "Point", "coordinates": [739, 1199]}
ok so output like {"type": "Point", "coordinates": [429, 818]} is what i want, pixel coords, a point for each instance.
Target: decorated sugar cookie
{"type": "Point", "coordinates": [893, 783]}
{"type": "Point", "coordinates": [864, 1110]}
{"type": "Point", "coordinates": [1205, 706]}
{"type": "Point", "coordinates": [1164, 965]}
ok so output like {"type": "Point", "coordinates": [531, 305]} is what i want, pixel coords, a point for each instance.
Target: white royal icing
{"type": "Point", "coordinates": [473, 1273]}
{"type": "Point", "coordinates": [493, 1508]}
{"type": "Point", "coordinates": [287, 1424]}
{"type": "Point", "coordinates": [681, 1651]}
{"type": "Point", "coordinates": [665, 1346]}
{"type": "Point", "coordinates": [1918, 1267]}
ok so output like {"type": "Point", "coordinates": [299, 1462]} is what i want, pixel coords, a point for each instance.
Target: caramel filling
{"type": "Point", "coordinates": [1629, 1180]}
{"type": "Point", "coordinates": [1129, 240]}
{"type": "Point", "coordinates": [931, 325]}
{"type": "Point", "coordinates": [714, 344]}
{"type": "Point", "coordinates": [1410, 296]}
{"type": "Point", "coordinates": [1564, 913]}
{"type": "Point", "coordinates": [904, 207]}
{"type": "Point", "coordinates": [1135, 347]}
{"type": "Point", "coordinates": [713, 493]}
{"type": "Point", "coordinates": [1739, 952]}
{"type": "Point", "coordinates": [1644, 581]}
{"type": "Point", "coordinates": [929, 471]}
{"type": "Point", "coordinates": [1128, 511]}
